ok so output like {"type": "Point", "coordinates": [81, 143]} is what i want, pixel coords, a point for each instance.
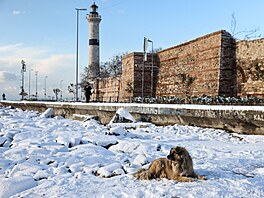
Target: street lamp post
{"type": "Point", "coordinates": [77, 47]}
{"type": "Point", "coordinates": [145, 56]}
{"type": "Point", "coordinates": [36, 73]}
{"type": "Point", "coordinates": [151, 84]}
{"type": "Point", "coordinates": [61, 89]}
{"type": "Point", "coordinates": [29, 82]}
{"type": "Point", "coordinates": [23, 70]}
{"type": "Point", "coordinates": [145, 47]}
{"type": "Point", "coordinates": [45, 88]}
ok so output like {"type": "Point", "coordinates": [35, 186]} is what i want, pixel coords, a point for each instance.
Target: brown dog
{"type": "Point", "coordinates": [177, 166]}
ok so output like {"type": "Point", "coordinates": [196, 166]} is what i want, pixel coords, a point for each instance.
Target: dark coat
{"type": "Point", "coordinates": [88, 91]}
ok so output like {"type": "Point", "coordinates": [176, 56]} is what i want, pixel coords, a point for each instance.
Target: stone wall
{"type": "Point", "coordinates": [127, 79]}
{"type": "Point", "coordinates": [212, 65]}
{"type": "Point", "coordinates": [108, 90]}
{"type": "Point", "coordinates": [147, 75]}
{"type": "Point", "coordinates": [123, 88]}
{"type": "Point", "coordinates": [132, 75]}
{"type": "Point", "coordinates": [197, 67]}
{"type": "Point", "coordinates": [228, 77]}
{"type": "Point", "coordinates": [250, 67]}
{"type": "Point", "coordinates": [240, 119]}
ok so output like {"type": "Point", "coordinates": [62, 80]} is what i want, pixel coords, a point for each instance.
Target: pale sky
{"type": "Point", "coordinates": [43, 33]}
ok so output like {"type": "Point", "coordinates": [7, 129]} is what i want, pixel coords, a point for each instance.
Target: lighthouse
{"type": "Point", "coordinates": [94, 54]}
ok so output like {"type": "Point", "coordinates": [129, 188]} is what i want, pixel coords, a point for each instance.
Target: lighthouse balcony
{"type": "Point", "coordinates": [94, 16]}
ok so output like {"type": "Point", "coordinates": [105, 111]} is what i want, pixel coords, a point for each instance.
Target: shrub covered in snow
{"type": "Point", "coordinates": [209, 100]}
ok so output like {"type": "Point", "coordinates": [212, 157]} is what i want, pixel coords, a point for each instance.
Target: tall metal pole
{"type": "Point", "coordinates": [106, 91]}
{"type": "Point", "coordinates": [45, 87]}
{"type": "Point", "coordinates": [77, 48]}
{"type": "Point", "coordinates": [77, 56]}
{"type": "Point", "coordinates": [36, 73]}
{"type": "Point", "coordinates": [151, 84]}
{"type": "Point", "coordinates": [143, 67]}
{"type": "Point", "coordinates": [143, 73]}
{"type": "Point", "coordinates": [23, 70]}
{"type": "Point", "coordinates": [145, 47]}
{"type": "Point", "coordinates": [61, 89]}
{"type": "Point", "coordinates": [29, 82]}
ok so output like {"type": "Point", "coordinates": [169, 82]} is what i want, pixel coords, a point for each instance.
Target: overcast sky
{"type": "Point", "coordinates": [43, 33]}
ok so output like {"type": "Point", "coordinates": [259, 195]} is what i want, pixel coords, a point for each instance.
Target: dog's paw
{"type": "Point", "coordinates": [202, 177]}
{"type": "Point", "coordinates": [184, 179]}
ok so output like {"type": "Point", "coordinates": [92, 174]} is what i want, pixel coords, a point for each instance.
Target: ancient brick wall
{"type": "Point", "coordinates": [250, 67]}
{"type": "Point", "coordinates": [147, 74]}
{"type": "Point", "coordinates": [195, 67]}
{"type": "Point", "coordinates": [131, 85]}
{"type": "Point", "coordinates": [109, 89]}
{"type": "Point", "coordinates": [228, 77]}
{"type": "Point", "coordinates": [211, 65]}
{"type": "Point", "coordinates": [127, 79]}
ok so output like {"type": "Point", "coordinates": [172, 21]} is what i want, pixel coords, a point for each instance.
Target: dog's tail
{"type": "Point", "coordinates": [142, 174]}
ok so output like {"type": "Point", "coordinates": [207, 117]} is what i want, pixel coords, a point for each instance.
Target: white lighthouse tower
{"type": "Point", "coordinates": [94, 54]}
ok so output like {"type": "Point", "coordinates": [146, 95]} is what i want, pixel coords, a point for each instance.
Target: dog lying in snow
{"type": "Point", "coordinates": [177, 166]}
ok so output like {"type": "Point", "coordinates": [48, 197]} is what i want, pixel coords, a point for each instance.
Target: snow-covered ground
{"type": "Point", "coordinates": [56, 157]}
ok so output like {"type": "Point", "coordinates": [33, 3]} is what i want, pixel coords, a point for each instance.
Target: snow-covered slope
{"type": "Point", "coordinates": [55, 157]}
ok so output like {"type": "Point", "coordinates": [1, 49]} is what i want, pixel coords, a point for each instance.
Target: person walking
{"type": "Point", "coordinates": [88, 93]}
{"type": "Point", "coordinates": [4, 96]}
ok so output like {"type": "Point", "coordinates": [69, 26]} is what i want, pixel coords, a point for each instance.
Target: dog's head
{"type": "Point", "coordinates": [177, 153]}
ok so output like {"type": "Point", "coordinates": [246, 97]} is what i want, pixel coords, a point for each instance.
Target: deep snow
{"type": "Point", "coordinates": [57, 157]}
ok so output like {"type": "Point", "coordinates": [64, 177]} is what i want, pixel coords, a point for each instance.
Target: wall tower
{"type": "Point", "coordinates": [94, 54]}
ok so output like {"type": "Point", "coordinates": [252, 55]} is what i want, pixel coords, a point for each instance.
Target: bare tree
{"type": "Point", "coordinates": [84, 77]}
{"type": "Point", "coordinates": [56, 91]}
{"type": "Point", "coordinates": [248, 34]}
{"type": "Point", "coordinates": [104, 70]}
{"type": "Point", "coordinates": [71, 89]}
{"type": "Point", "coordinates": [111, 68]}
{"type": "Point", "coordinates": [233, 24]}
{"type": "Point", "coordinates": [155, 50]}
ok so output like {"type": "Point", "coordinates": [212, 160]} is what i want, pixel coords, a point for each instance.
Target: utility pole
{"type": "Point", "coordinates": [77, 48]}
{"type": "Point", "coordinates": [61, 90]}
{"type": "Point", "coordinates": [29, 82]}
{"type": "Point", "coordinates": [23, 70]}
{"type": "Point", "coordinates": [152, 62]}
{"type": "Point", "coordinates": [36, 73]}
{"type": "Point", "coordinates": [45, 87]}
{"type": "Point", "coordinates": [145, 47]}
